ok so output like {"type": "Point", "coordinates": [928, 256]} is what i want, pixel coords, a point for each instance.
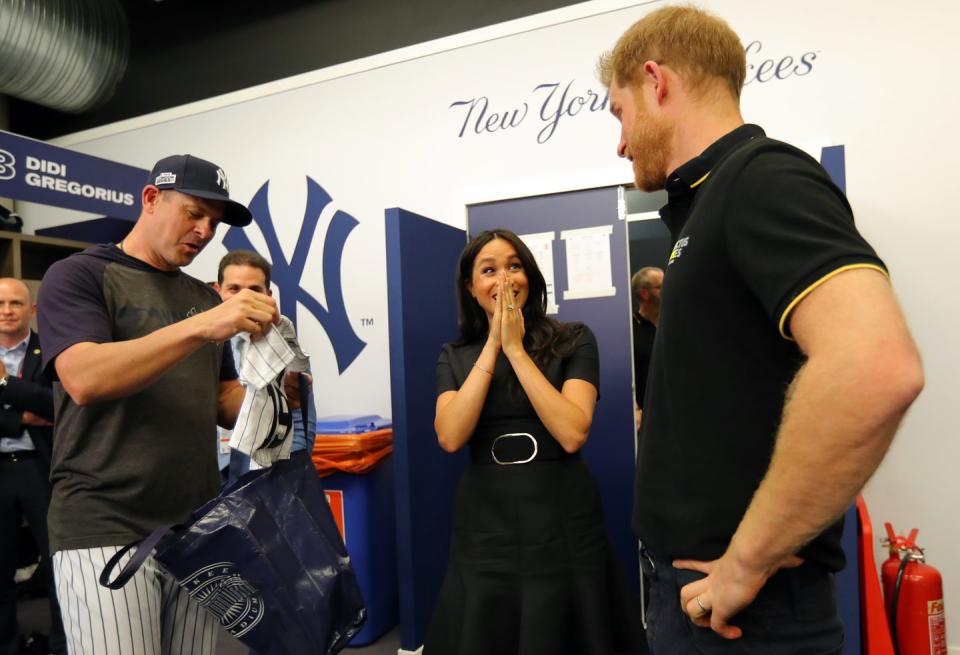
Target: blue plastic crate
{"type": "Point", "coordinates": [351, 424]}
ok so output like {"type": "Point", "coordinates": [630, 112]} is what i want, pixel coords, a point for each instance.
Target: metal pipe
{"type": "Point", "coordinates": [64, 54]}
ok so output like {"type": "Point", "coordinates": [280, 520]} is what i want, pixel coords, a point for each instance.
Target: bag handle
{"type": "Point", "coordinates": [144, 547]}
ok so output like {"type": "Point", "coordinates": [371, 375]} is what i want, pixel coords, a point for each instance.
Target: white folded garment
{"type": "Point", "coordinates": [264, 428]}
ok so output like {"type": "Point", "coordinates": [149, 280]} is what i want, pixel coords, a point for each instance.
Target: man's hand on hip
{"type": "Point", "coordinates": [729, 587]}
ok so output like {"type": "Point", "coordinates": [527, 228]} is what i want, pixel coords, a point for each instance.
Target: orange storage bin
{"type": "Point", "coordinates": [351, 453]}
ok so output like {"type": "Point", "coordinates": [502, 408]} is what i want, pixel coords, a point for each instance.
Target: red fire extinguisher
{"type": "Point", "coordinates": [914, 598]}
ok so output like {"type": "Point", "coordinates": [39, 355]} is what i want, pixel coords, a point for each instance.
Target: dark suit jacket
{"type": "Point", "coordinates": [33, 392]}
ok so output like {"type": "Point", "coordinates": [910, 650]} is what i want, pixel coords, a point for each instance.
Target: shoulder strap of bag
{"type": "Point", "coordinates": [144, 547]}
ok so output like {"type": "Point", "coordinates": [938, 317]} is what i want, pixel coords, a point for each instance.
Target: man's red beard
{"type": "Point", "coordinates": [650, 148]}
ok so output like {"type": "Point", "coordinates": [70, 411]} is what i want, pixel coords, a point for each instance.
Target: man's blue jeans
{"type": "Point", "coordinates": [794, 614]}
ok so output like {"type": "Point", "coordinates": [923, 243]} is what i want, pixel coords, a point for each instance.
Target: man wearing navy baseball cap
{"type": "Point", "coordinates": [143, 377]}
{"type": "Point", "coordinates": [201, 179]}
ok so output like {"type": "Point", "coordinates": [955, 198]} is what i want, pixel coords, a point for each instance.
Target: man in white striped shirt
{"type": "Point", "coordinates": [245, 269]}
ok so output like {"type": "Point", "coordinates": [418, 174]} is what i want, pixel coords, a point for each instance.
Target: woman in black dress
{"type": "Point", "coordinates": [531, 570]}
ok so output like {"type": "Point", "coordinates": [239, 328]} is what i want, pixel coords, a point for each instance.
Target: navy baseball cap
{"type": "Point", "coordinates": [201, 179]}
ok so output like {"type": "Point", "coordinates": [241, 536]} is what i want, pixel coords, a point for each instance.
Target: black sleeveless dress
{"type": "Point", "coordinates": [531, 569]}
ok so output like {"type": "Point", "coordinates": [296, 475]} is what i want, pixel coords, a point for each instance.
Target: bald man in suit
{"type": "Point", "coordinates": [26, 437]}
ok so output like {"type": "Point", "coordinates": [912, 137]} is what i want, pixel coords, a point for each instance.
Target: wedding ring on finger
{"type": "Point", "coordinates": [700, 605]}
{"type": "Point", "coordinates": [511, 307]}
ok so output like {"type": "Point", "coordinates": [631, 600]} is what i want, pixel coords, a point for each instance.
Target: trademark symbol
{"type": "Point", "coordinates": [366, 322]}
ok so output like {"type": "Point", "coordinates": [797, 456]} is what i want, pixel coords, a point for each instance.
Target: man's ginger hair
{"type": "Point", "coordinates": [699, 46]}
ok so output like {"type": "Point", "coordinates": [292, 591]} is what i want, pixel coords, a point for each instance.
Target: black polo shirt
{"type": "Point", "coordinates": [757, 224]}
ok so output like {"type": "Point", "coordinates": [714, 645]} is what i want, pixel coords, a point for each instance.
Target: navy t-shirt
{"type": "Point", "coordinates": [123, 467]}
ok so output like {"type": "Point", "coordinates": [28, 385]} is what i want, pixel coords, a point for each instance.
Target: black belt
{"type": "Point", "coordinates": [18, 455]}
{"type": "Point", "coordinates": [516, 445]}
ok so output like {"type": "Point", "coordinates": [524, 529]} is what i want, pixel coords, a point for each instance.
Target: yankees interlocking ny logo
{"type": "Point", "coordinates": [222, 180]}
{"type": "Point", "coordinates": [333, 318]}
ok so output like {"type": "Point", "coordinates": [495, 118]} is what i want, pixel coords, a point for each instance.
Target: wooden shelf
{"type": "Point", "coordinates": [27, 257]}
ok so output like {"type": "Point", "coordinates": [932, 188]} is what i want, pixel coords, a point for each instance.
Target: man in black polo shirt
{"type": "Point", "coordinates": [782, 365]}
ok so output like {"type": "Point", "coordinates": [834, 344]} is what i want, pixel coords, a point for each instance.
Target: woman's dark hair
{"type": "Point", "coordinates": [544, 337]}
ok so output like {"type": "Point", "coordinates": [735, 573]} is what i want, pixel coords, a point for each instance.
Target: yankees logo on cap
{"type": "Point", "coordinates": [201, 179]}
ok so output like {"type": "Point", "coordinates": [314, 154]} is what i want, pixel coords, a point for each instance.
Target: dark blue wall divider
{"type": "Point", "coordinates": [848, 585]}
{"type": "Point", "coordinates": [422, 313]}
{"type": "Point", "coordinates": [833, 160]}
{"type": "Point", "coordinates": [610, 449]}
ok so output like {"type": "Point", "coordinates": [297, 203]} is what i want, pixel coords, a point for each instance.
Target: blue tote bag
{"type": "Point", "coordinates": [266, 559]}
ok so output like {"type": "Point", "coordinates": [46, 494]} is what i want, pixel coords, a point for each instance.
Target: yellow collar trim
{"type": "Point", "coordinates": [700, 181]}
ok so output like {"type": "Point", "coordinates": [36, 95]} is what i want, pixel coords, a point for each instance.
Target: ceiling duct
{"type": "Point", "coordinates": [64, 54]}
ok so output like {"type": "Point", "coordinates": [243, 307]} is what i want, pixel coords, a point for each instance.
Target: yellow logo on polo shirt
{"type": "Point", "coordinates": [678, 249]}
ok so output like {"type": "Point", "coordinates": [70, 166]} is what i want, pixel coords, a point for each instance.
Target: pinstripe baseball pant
{"type": "Point", "coordinates": [150, 615]}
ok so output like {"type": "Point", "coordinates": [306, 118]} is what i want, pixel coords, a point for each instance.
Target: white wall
{"type": "Point", "coordinates": [380, 132]}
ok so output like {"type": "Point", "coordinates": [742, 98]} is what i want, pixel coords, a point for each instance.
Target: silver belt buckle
{"type": "Point", "coordinates": [493, 447]}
